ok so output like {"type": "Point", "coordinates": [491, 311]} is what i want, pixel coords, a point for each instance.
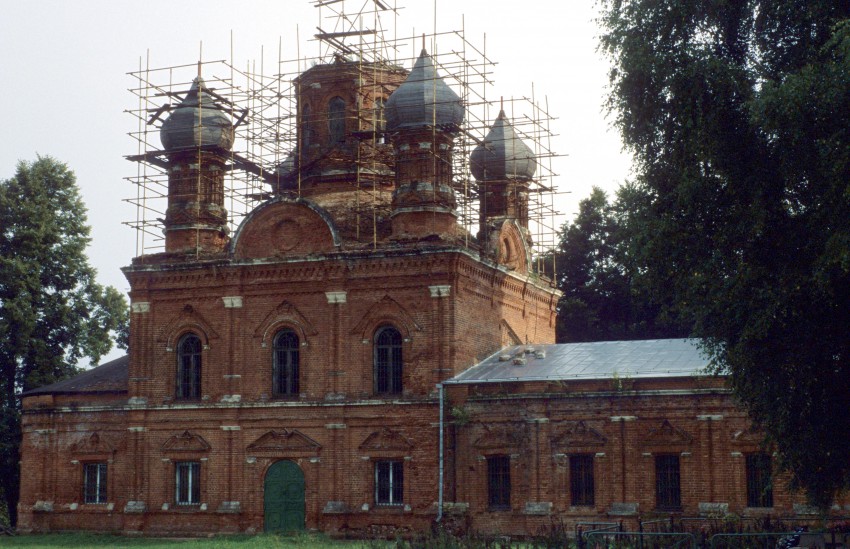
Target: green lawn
{"type": "Point", "coordinates": [92, 541]}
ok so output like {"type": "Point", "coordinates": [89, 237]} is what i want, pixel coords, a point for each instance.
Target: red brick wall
{"type": "Point", "coordinates": [701, 425]}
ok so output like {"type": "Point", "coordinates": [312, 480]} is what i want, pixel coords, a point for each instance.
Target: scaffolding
{"type": "Point", "coordinates": [265, 115]}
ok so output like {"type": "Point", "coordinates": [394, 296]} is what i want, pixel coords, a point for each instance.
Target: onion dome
{"type": "Point", "coordinates": [424, 99]}
{"type": "Point", "coordinates": [197, 122]}
{"type": "Point", "coordinates": [503, 156]}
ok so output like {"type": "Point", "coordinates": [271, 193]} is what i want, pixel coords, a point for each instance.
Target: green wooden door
{"type": "Point", "coordinates": [283, 497]}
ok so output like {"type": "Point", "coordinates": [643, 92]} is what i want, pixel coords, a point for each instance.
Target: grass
{"type": "Point", "coordinates": [98, 541]}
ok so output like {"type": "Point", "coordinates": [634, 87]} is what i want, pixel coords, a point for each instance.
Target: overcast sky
{"type": "Point", "coordinates": [63, 86]}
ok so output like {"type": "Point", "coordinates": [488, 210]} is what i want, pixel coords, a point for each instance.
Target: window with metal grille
{"type": "Point", "coordinates": [581, 479]}
{"type": "Point", "coordinates": [389, 482]}
{"type": "Point", "coordinates": [667, 483]}
{"type": "Point", "coordinates": [94, 483]}
{"type": "Point", "coordinates": [336, 119]}
{"type": "Point", "coordinates": [759, 481]}
{"type": "Point", "coordinates": [187, 482]}
{"type": "Point", "coordinates": [189, 367]}
{"type": "Point", "coordinates": [387, 360]}
{"type": "Point", "coordinates": [286, 364]}
{"type": "Point", "coordinates": [499, 482]}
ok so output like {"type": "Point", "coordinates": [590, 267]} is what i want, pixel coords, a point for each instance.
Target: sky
{"type": "Point", "coordinates": [64, 84]}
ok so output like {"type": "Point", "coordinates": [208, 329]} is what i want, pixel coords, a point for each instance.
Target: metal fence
{"type": "Point", "coordinates": [714, 533]}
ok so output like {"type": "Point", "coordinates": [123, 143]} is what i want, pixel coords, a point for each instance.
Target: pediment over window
{"type": "Point", "coordinates": [188, 319]}
{"type": "Point", "coordinates": [666, 435]}
{"type": "Point", "coordinates": [92, 445]}
{"type": "Point", "coordinates": [284, 442]}
{"type": "Point", "coordinates": [500, 438]}
{"type": "Point", "coordinates": [386, 311]}
{"type": "Point", "coordinates": [285, 314]}
{"type": "Point", "coordinates": [185, 442]}
{"type": "Point", "coordinates": [748, 437]}
{"type": "Point", "coordinates": [386, 439]}
{"type": "Point", "coordinates": [579, 434]}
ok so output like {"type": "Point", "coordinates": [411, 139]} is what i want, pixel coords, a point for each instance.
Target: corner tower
{"type": "Point", "coordinates": [197, 137]}
{"type": "Point", "coordinates": [504, 166]}
{"type": "Point", "coordinates": [423, 117]}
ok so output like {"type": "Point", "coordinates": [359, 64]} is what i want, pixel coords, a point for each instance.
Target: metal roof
{"type": "Point", "coordinates": [655, 358]}
{"type": "Point", "coordinates": [106, 378]}
{"type": "Point", "coordinates": [197, 122]}
{"type": "Point", "coordinates": [423, 99]}
{"type": "Point", "coordinates": [502, 155]}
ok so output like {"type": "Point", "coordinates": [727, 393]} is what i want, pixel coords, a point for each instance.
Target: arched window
{"type": "Point", "coordinates": [306, 127]}
{"type": "Point", "coordinates": [378, 120]}
{"type": "Point", "coordinates": [336, 119]}
{"type": "Point", "coordinates": [387, 360]}
{"type": "Point", "coordinates": [285, 363]}
{"type": "Point", "coordinates": [189, 367]}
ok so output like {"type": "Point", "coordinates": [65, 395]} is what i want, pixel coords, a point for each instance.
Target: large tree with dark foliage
{"type": "Point", "coordinates": [738, 115]}
{"type": "Point", "coordinates": [604, 299]}
{"type": "Point", "coordinates": [53, 314]}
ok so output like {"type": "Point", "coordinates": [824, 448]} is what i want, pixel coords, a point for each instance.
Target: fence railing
{"type": "Point", "coordinates": [714, 533]}
{"type": "Point", "coordinates": [644, 540]}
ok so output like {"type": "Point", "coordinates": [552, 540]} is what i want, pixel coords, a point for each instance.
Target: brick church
{"type": "Point", "coordinates": [312, 371]}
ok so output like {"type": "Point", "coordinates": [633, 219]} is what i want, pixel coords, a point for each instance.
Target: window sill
{"type": "Point", "coordinates": [190, 507]}
{"type": "Point", "coordinates": [499, 509]}
{"type": "Point", "coordinates": [388, 508]}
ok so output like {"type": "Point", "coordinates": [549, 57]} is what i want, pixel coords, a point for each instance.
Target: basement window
{"type": "Point", "coordinates": [187, 482]}
{"type": "Point", "coordinates": [389, 482]}
{"type": "Point", "coordinates": [94, 483]}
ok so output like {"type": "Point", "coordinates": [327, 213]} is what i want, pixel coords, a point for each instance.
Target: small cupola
{"type": "Point", "coordinates": [504, 166]}
{"type": "Point", "coordinates": [197, 137]}
{"type": "Point", "coordinates": [197, 122]}
{"type": "Point", "coordinates": [503, 156]}
{"type": "Point", "coordinates": [424, 99]}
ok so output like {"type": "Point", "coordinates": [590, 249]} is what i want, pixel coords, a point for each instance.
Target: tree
{"type": "Point", "coordinates": [602, 296]}
{"type": "Point", "coordinates": [52, 311]}
{"type": "Point", "coordinates": [738, 117]}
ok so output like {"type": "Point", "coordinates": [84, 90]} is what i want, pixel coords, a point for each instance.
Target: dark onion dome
{"type": "Point", "coordinates": [503, 155]}
{"type": "Point", "coordinates": [197, 122]}
{"type": "Point", "coordinates": [424, 99]}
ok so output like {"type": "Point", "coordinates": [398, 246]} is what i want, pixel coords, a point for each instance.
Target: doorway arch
{"type": "Point", "coordinates": [283, 498]}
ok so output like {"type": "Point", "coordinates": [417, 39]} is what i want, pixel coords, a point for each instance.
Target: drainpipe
{"type": "Point", "coordinates": [441, 389]}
